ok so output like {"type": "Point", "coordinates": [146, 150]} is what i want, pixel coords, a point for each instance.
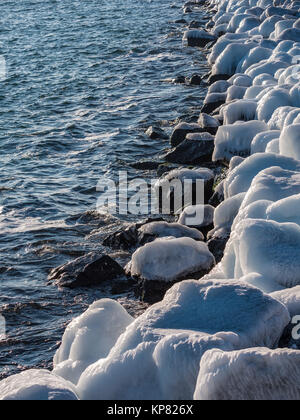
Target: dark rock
{"type": "Point", "coordinates": [156, 133]}
{"type": "Point", "coordinates": [90, 270]}
{"type": "Point", "coordinates": [216, 77]}
{"type": "Point", "coordinates": [146, 165]}
{"type": "Point", "coordinates": [181, 21]}
{"type": "Point", "coordinates": [196, 80]}
{"type": "Point", "coordinates": [194, 24]}
{"type": "Point", "coordinates": [181, 130]}
{"type": "Point", "coordinates": [165, 167]}
{"type": "Point", "coordinates": [197, 148]}
{"type": "Point", "coordinates": [198, 38]}
{"type": "Point", "coordinates": [208, 123]}
{"type": "Point", "coordinates": [218, 196]}
{"type": "Point", "coordinates": [179, 80]}
{"type": "Point", "coordinates": [128, 238]}
{"type": "Point", "coordinates": [212, 106]}
{"type": "Point", "coordinates": [217, 247]}
{"type": "Point", "coordinates": [287, 340]}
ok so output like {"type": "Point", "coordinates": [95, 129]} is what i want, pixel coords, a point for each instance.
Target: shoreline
{"type": "Point", "coordinates": [206, 333]}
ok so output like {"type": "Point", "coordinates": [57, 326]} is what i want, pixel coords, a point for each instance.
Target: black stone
{"type": "Point", "coordinates": [211, 107]}
{"type": "Point", "coordinates": [216, 77]}
{"type": "Point", "coordinates": [180, 132]}
{"type": "Point", "coordinates": [146, 165]}
{"type": "Point", "coordinates": [196, 80]}
{"type": "Point", "coordinates": [179, 80]}
{"type": "Point", "coordinates": [217, 247]}
{"type": "Point", "coordinates": [90, 270]}
{"type": "Point", "coordinates": [156, 133]}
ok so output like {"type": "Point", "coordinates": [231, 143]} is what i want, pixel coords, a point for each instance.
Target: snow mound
{"type": "Point", "coordinates": [172, 336]}
{"type": "Point", "coordinates": [265, 247]}
{"type": "Point", "coordinates": [290, 298]}
{"type": "Point", "coordinates": [170, 260]}
{"type": "Point", "coordinates": [36, 385]}
{"type": "Point", "coordinates": [89, 338]}
{"type": "Point", "coordinates": [240, 179]}
{"type": "Point", "coordinates": [289, 142]}
{"type": "Point", "coordinates": [241, 110]}
{"type": "Point", "coordinates": [271, 101]}
{"type": "Point", "coordinates": [261, 141]}
{"type": "Point", "coordinates": [200, 216]}
{"type": "Point", "coordinates": [251, 374]}
{"type": "Point", "coordinates": [273, 147]}
{"type": "Point", "coordinates": [229, 59]}
{"type": "Point", "coordinates": [177, 230]}
{"type": "Point", "coordinates": [236, 139]}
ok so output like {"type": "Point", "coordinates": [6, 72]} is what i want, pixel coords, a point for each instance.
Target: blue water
{"type": "Point", "coordinates": [84, 81]}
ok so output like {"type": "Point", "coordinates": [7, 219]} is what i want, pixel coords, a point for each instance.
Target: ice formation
{"type": "Point", "coordinates": [252, 374]}
{"type": "Point", "coordinates": [177, 230]}
{"type": "Point", "coordinates": [197, 216]}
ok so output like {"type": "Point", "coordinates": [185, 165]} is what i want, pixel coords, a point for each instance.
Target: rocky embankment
{"type": "Point", "coordinates": [227, 325]}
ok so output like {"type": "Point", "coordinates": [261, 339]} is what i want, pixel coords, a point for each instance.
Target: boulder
{"type": "Point", "coordinates": [181, 130]}
{"type": "Point", "coordinates": [90, 270]}
{"type": "Point", "coordinates": [197, 148]}
{"type": "Point", "coordinates": [198, 38]}
{"type": "Point", "coordinates": [208, 123]}
{"type": "Point", "coordinates": [156, 133]}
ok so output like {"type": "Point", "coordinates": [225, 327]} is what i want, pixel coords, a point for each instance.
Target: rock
{"type": "Point", "coordinates": [198, 38]}
{"type": "Point", "coordinates": [218, 196]}
{"type": "Point", "coordinates": [181, 21]}
{"type": "Point", "coordinates": [160, 264]}
{"type": "Point", "coordinates": [179, 80]}
{"type": "Point", "coordinates": [181, 130]}
{"type": "Point", "coordinates": [156, 133]}
{"type": "Point", "coordinates": [210, 107]}
{"type": "Point", "coordinates": [146, 165]}
{"type": "Point", "coordinates": [90, 270]}
{"type": "Point", "coordinates": [196, 80]}
{"type": "Point", "coordinates": [216, 77]}
{"type": "Point", "coordinates": [197, 148]}
{"type": "Point", "coordinates": [217, 247]}
{"type": "Point", "coordinates": [200, 217]}
{"type": "Point", "coordinates": [127, 238]}
{"type": "Point", "coordinates": [208, 124]}
{"type": "Point", "coordinates": [165, 167]}
{"type": "Point", "coordinates": [194, 24]}
{"type": "Point", "coordinates": [194, 181]}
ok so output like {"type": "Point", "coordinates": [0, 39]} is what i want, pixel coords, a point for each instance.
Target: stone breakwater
{"type": "Point", "coordinates": [232, 333]}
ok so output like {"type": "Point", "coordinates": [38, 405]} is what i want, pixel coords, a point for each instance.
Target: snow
{"type": "Point", "coordinates": [90, 337]}
{"type": "Point", "coordinates": [236, 139]}
{"type": "Point", "coordinates": [292, 34]}
{"type": "Point", "coordinates": [273, 146]}
{"type": "Point", "coordinates": [198, 216]}
{"type": "Point", "coordinates": [170, 259]}
{"type": "Point", "coordinates": [241, 110]}
{"type": "Point", "coordinates": [290, 298]}
{"type": "Point", "coordinates": [261, 141]}
{"type": "Point", "coordinates": [235, 92]}
{"type": "Point", "coordinates": [255, 55]}
{"type": "Point", "coordinates": [176, 230]}
{"type": "Point", "coordinates": [251, 374]}
{"type": "Point", "coordinates": [163, 347]}
{"type": "Point", "coordinates": [279, 116]}
{"type": "Point", "coordinates": [229, 59]}
{"type": "Point", "coordinates": [265, 247]}
{"type": "Point", "coordinates": [289, 142]}
{"type": "Point", "coordinates": [221, 86]}
{"type": "Point", "coordinates": [36, 385]}
{"type": "Point", "coordinates": [225, 214]}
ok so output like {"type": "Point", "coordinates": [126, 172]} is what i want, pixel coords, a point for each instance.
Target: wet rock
{"type": "Point", "coordinates": [181, 21]}
{"type": "Point", "coordinates": [156, 133]}
{"type": "Point", "coordinates": [165, 167]}
{"type": "Point", "coordinates": [127, 238]}
{"type": "Point", "coordinates": [197, 148]}
{"type": "Point", "coordinates": [196, 80]}
{"type": "Point", "coordinates": [146, 165]}
{"type": "Point", "coordinates": [179, 80]}
{"type": "Point", "coordinates": [208, 123]}
{"type": "Point", "coordinates": [195, 24]}
{"type": "Point", "coordinates": [187, 10]}
{"type": "Point", "coordinates": [216, 77]}
{"type": "Point", "coordinates": [217, 247]}
{"type": "Point", "coordinates": [198, 38]}
{"type": "Point", "coordinates": [218, 196]}
{"type": "Point", "coordinates": [181, 130]}
{"type": "Point", "coordinates": [212, 104]}
{"type": "Point", "coordinates": [90, 270]}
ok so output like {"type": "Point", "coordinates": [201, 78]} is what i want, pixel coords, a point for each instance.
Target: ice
{"type": "Point", "coordinates": [261, 141]}
{"type": "Point", "coordinates": [290, 141]}
{"type": "Point", "coordinates": [90, 337]}
{"type": "Point", "coordinates": [292, 34]}
{"type": "Point", "coordinates": [255, 55]}
{"type": "Point", "coordinates": [163, 346]}
{"type": "Point", "coordinates": [279, 116]}
{"type": "Point", "coordinates": [198, 216]}
{"type": "Point", "coordinates": [286, 210]}
{"type": "Point", "coordinates": [236, 139]}
{"type": "Point", "coordinates": [265, 247]}
{"type": "Point", "coordinates": [36, 385]}
{"type": "Point", "coordinates": [225, 214]}
{"type": "Point", "coordinates": [247, 24]}
{"type": "Point", "coordinates": [268, 26]}
{"type": "Point", "coordinates": [273, 146]}
{"type": "Point", "coordinates": [241, 110]}
{"type": "Point", "coordinates": [176, 230]}
{"type": "Point", "coordinates": [268, 67]}
{"type": "Point", "coordinates": [240, 79]}
{"type": "Point", "coordinates": [221, 86]}
{"type": "Point", "coordinates": [282, 25]}
{"type": "Point", "coordinates": [290, 298]}
{"type": "Point", "coordinates": [235, 92]}
{"type": "Point", "coordinates": [271, 101]}
{"type": "Point", "coordinates": [251, 374]}
{"type": "Point", "coordinates": [229, 59]}
{"type": "Point", "coordinates": [170, 259]}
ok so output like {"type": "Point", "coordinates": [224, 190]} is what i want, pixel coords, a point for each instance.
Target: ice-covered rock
{"type": "Point", "coordinates": [198, 38]}
{"type": "Point", "coordinates": [172, 335]}
{"type": "Point", "coordinates": [208, 123]}
{"type": "Point", "coordinates": [181, 130]}
{"type": "Point", "coordinates": [271, 101]}
{"type": "Point", "coordinates": [170, 260]}
{"type": "Point", "coordinates": [241, 110]}
{"type": "Point", "coordinates": [273, 147]}
{"type": "Point", "coordinates": [236, 139]}
{"type": "Point", "coordinates": [251, 374]}
{"type": "Point", "coordinates": [261, 140]}
{"type": "Point", "coordinates": [229, 59]}
{"type": "Point", "coordinates": [89, 338]}
{"type": "Point", "coordinates": [200, 216]}
{"type": "Point", "coordinates": [37, 385]}
{"type": "Point", "coordinates": [156, 230]}
{"type": "Point", "coordinates": [289, 142]}
{"type": "Point", "coordinates": [213, 101]}
{"type": "Point", "coordinates": [290, 298]}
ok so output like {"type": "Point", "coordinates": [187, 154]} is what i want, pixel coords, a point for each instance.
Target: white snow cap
{"type": "Point", "coordinates": [90, 337]}
{"type": "Point", "coordinates": [289, 141]}
{"type": "Point", "coordinates": [37, 385]}
{"type": "Point", "coordinates": [251, 374]}
{"type": "Point", "coordinates": [170, 259]}
{"type": "Point", "coordinates": [200, 216]}
{"type": "Point", "coordinates": [177, 230]}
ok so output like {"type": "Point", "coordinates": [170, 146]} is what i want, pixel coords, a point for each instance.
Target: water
{"type": "Point", "coordinates": [84, 81]}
